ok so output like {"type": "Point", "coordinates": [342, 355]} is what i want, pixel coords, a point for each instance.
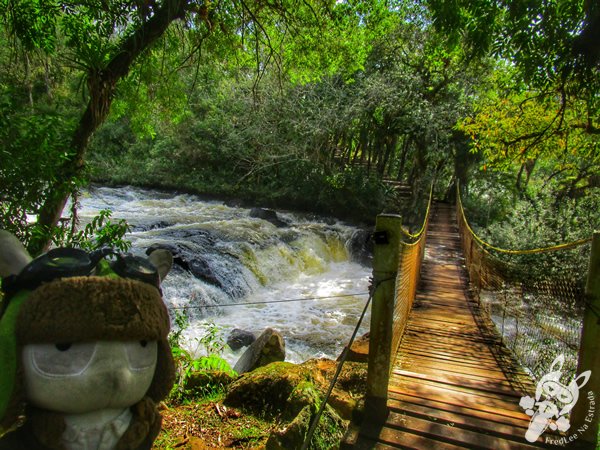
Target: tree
{"type": "Point", "coordinates": [553, 45]}
{"type": "Point", "coordinates": [105, 40]}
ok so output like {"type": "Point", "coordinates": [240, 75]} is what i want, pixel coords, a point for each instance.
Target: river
{"type": "Point", "coordinates": [302, 279]}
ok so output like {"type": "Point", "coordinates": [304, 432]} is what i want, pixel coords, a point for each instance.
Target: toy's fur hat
{"type": "Point", "coordinates": [79, 309]}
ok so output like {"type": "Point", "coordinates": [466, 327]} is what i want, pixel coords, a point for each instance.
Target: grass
{"type": "Point", "coordinates": [207, 423]}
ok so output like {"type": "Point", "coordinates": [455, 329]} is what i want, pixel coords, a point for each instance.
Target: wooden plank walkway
{"type": "Point", "coordinates": [453, 385]}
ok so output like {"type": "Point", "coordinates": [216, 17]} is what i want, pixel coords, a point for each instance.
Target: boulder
{"type": "Point", "coordinates": [195, 264]}
{"type": "Point", "coordinates": [202, 270]}
{"type": "Point", "coordinates": [343, 403]}
{"type": "Point", "coordinates": [352, 378]}
{"type": "Point", "coordinates": [204, 381]}
{"type": "Point", "coordinates": [360, 247]}
{"type": "Point", "coordinates": [234, 203]}
{"type": "Point", "coordinates": [269, 215]}
{"type": "Point", "coordinates": [359, 350]}
{"type": "Point", "coordinates": [327, 435]}
{"type": "Point", "coordinates": [240, 338]}
{"type": "Point", "coordinates": [294, 392]}
{"type": "Point", "coordinates": [269, 347]}
{"type": "Point", "coordinates": [267, 388]}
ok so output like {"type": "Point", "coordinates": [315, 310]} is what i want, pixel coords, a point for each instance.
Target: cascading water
{"type": "Point", "coordinates": [237, 271]}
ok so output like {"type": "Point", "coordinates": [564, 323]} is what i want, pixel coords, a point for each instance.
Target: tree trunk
{"type": "Point", "coordinates": [405, 147]}
{"type": "Point", "coordinates": [101, 84]}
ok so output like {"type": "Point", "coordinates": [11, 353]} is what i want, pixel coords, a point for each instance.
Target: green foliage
{"type": "Point", "coordinates": [544, 39]}
{"type": "Point", "coordinates": [212, 341]}
{"type": "Point", "coordinates": [201, 376]}
{"type": "Point", "coordinates": [507, 219]}
{"type": "Point", "coordinates": [100, 232]}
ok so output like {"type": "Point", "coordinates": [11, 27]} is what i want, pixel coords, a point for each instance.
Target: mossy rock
{"type": "Point", "coordinates": [304, 394]}
{"type": "Point", "coordinates": [327, 435]}
{"type": "Point", "coordinates": [266, 388]}
{"type": "Point", "coordinates": [352, 378]}
{"type": "Point", "coordinates": [201, 381]}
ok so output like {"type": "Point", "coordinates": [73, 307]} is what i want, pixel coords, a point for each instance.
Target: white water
{"type": "Point", "coordinates": [255, 262]}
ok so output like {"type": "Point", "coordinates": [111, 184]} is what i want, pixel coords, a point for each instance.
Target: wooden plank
{"type": "Point", "coordinates": [450, 434]}
{"type": "Point", "coordinates": [489, 425]}
{"type": "Point", "coordinates": [497, 407]}
{"type": "Point", "coordinates": [475, 349]}
{"type": "Point", "coordinates": [434, 405]}
{"type": "Point", "coordinates": [455, 353]}
{"type": "Point", "coordinates": [467, 376]}
{"type": "Point", "coordinates": [453, 384]}
{"type": "Point", "coordinates": [469, 394]}
{"type": "Point", "coordinates": [407, 351]}
{"type": "Point", "coordinates": [454, 380]}
{"type": "Point", "coordinates": [407, 440]}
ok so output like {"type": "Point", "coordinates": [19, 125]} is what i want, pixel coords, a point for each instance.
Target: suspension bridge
{"type": "Point", "coordinates": [459, 339]}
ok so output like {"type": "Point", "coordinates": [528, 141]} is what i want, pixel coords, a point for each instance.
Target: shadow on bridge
{"type": "Point", "coordinates": [450, 382]}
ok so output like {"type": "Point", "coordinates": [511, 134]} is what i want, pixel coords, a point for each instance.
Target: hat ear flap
{"type": "Point", "coordinates": [162, 260]}
{"type": "Point", "coordinates": [13, 255]}
{"type": "Point", "coordinates": [164, 375]}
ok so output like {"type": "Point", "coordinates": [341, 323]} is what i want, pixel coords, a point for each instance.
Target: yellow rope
{"type": "Point", "coordinates": [418, 234]}
{"type": "Point", "coordinates": [483, 243]}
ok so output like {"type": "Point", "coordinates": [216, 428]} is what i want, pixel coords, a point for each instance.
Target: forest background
{"type": "Point", "coordinates": [305, 104]}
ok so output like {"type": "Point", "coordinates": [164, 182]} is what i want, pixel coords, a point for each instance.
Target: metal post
{"type": "Point", "coordinates": [586, 412]}
{"type": "Point", "coordinates": [385, 267]}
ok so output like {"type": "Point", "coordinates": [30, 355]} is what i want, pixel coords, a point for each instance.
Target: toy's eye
{"type": "Point", "coordinates": [565, 396]}
{"type": "Point", "coordinates": [61, 358]}
{"type": "Point", "coordinates": [141, 354]}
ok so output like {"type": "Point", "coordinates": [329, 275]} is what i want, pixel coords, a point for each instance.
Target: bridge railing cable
{"type": "Point", "coordinates": [397, 260]}
{"type": "Point", "coordinates": [536, 306]}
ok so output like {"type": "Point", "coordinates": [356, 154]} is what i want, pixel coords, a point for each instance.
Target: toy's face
{"type": "Point", "coordinates": [564, 394]}
{"type": "Point", "coordinates": [75, 378]}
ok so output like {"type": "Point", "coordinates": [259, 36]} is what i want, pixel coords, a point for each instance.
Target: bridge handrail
{"type": "Point", "coordinates": [531, 310]}
{"type": "Point", "coordinates": [396, 274]}
{"type": "Point", "coordinates": [463, 218]}
{"type": "Point", "coordinates": [418, 234]}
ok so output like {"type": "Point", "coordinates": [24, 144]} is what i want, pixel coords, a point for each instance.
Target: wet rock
{"type": "Point", "coordinates": [202, 270]}
{"type": "Point", "coordinates": [203, 255]}
{"type": "Point", "coordinates": [269, 347]}
{"type": "Point", "coordinates": [151, 226]}
{"type": "Point", "coordinates": [240, 338]}
{"type": "Point", "coordinates": [360, 247]}
{"type": "Point", "coordinates": [234, 203]}
{"type": "Point", "coordinates": [269, 215]}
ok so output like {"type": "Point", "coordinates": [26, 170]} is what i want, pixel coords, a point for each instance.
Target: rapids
{"type": "Point", "coordinates": [243, 272]}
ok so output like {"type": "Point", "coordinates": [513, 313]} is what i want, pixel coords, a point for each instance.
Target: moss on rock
{"type": "Point", "coordinates": [267, 388]}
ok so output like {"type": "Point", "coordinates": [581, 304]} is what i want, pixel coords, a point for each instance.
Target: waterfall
{"type": "Point", "coordinates": [299, 275]}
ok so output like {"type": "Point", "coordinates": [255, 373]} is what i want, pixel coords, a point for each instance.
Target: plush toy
{"type": "Point", "coordinates": [84, 357]}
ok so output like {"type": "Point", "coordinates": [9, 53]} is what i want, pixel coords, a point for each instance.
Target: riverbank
{"type": "Point", "coordinates": [350, 194]}
{"type": "Point", "coordinates": [269, 408]}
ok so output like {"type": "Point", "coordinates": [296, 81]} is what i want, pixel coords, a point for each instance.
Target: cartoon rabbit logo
{"type": "Point", "coordinates": [553, 400]}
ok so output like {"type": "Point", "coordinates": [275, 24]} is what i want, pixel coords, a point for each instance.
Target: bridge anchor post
{"type": "Point", "coordinates": [586, 412]}
{"type": "Point", "coordinates": [385, 267]}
